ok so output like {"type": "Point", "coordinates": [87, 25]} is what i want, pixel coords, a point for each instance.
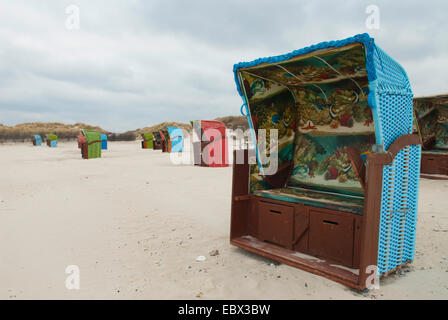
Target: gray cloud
{"type": "Point", "coordinates": [136, 63]}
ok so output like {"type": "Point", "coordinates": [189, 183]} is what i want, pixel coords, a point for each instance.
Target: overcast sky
{"type": "Point", "coordinates": [136, 63]}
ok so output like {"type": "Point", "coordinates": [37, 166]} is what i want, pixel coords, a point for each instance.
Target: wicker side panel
{"type": "Point", "coordinates": [399, 210]}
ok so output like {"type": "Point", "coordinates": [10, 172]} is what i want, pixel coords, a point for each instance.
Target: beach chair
{"type": "Point", "coordinates": [52, 140]}
{"type": "Point", "coordinates": [91, 148]}
{"type": "Point", "coordinates": [157, 140]}
{"type": "Point", "coordinates": [176, 138]}
{"type": "Point", "coordinates": [210, 143]}
{"type": "Point", "coordinates": [148, 141]}
{"type": "Point", "coordinates": [343, 201]}
{"type": "Point", "coordinates": [37, 140]}
{"type": "Point", "coordinates": [431, 115]}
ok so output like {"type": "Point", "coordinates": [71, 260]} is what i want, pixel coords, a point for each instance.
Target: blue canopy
{"type": "Point", "coordinates": [176, 138]}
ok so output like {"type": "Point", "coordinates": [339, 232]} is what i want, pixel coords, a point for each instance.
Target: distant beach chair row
{"type": "Point", "coordinates": [209, 142]}
{"type": "Point", "coordinates": [89, 141]}
{"type": "Point", "coordinates": [52, 140]}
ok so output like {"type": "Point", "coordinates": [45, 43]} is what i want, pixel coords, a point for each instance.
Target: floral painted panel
{"type": "Point", "coordinates": [337, 108]}
{"type": "Point", "coordinates": [318, 67]}
{"type": "Point", "coordinates": [277, 112]}
{"type": "Point", "coordinates": [426, 114]}
{"type": "Point", "coordinates": [442, 129]}
{"type": "Point", "coordinates": [330, 118]}
{"type": "Point", "coordinates": [432, 118]}
{"type": "Point", "coordinates": [319, 104]}
{"type": "Point", "coordinates": [258, 89]}
{"type": "Point", "coordinates": [321, 163]}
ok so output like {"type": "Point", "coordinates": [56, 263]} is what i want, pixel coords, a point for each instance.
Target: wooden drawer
{"type": "Point", "coordinates": [429, 164]}
{"type": "Point", "coordinates": [434, 164]}
{"type": "Point", "coordinates": [276, 223]}
{"type": "Point", "coordinates": [332, 236]}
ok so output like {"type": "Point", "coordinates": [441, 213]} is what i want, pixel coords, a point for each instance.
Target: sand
{"type": "Point", "coordinates": [134, 224]}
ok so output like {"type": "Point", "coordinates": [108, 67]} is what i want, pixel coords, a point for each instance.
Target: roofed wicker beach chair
{"type": "Point", "coordinates": [210, 143]}
{"type": "Point", "coordinates": [157, 140]}
{"type": "Point", "coordinates": [431, 114]}
{"type": "Point", "coordinates": [91, 148]}
{"type": "Point", "coordinates": [176, 138]}
{"type": "Point", "coordinates": [148, 141]}
{"type": "Point", "coordinates": [52, 140]}
{"type": "Point", "coordinates": [343, 201]}
{"type": "Point", "coordinates": [37, 140]}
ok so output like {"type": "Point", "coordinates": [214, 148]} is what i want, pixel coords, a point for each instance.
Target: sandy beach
{"type": "Point", "coordinates": [135, 224]}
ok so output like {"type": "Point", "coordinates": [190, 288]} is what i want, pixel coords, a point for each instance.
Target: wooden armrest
{"type": "Point", "coordinates": [429, 143]}
{"type": "Point", "coordinates": [242, 198]}
{"type": "Point", "coordinates": [357, 164]}
{"type": "Point", "coordinates": [402, 142]}
{"type": "Point", "coordinates": [280, 179]}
